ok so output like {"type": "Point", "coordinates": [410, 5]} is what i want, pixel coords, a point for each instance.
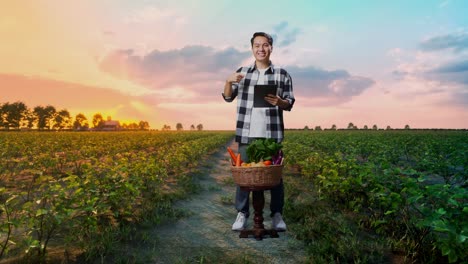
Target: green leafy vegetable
{"type": "Point", "coordinates": [263, 149]}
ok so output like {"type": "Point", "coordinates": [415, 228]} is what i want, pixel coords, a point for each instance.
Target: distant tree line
{"type": "Point", "coordinates": [180, 127]}
{"type": "Point", "coordinates": [351, 126]}
{"type": "Point", "coordinates": [18, 116]}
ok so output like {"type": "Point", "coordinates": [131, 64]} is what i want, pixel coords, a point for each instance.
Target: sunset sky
{"type": "Point", "coordinates": [368, 62]}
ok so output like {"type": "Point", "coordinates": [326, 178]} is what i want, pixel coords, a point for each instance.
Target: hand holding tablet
{"type": "Point", "coordinates": [261, 91]}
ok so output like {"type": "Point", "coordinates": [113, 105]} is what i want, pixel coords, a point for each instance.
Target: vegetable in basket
{"type": "Point", "coordinates": [233, 157]}
{"type": "Point", "coordinates": [265, 149]}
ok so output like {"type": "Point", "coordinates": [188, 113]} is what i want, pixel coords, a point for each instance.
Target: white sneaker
{"type": "Point", "coordinates": [278, 223]}
{"type": "Point", "coordinates": [240, 222]}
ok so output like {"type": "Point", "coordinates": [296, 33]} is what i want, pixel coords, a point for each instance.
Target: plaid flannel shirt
{"type": "Point", "coordinates": [245, 91]}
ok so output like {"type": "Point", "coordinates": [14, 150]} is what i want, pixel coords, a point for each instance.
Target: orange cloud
{"type": "Point", "coordinates": [77, 98]}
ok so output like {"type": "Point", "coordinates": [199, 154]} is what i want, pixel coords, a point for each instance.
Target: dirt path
{"type": "Point", "coordinates": [205, 236]}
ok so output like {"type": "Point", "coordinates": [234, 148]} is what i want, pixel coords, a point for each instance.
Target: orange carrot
{"type": "Point", "coordinates": [238, 160]}
{"type": "Point", "coordinates": [233, 156]}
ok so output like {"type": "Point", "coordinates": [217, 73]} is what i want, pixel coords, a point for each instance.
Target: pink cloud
{"type": "Point", "coordinates": [196, 73]}
{"type": "Point", "coordinates": [186, 66]}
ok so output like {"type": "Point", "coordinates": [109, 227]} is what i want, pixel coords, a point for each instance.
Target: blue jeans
{"type": "Point", "coordinates": [242, 197]}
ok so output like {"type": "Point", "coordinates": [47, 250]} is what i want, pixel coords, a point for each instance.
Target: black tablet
{"type": "Point", "coordinates": [260, 91]}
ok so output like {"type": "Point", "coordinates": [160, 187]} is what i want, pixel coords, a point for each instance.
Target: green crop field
{"type": "Point", "coordinates": [80, 190]}
{"type": "Point", "coordinates": [407, 186]}
{"type": "Point", "coordinates": [351, 196]}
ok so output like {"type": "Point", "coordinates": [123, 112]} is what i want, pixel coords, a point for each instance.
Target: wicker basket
{"type": "Point", "coordinates": [267, 176]}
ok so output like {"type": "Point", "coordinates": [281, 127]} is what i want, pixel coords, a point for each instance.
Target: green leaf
{"type": "Point", "coordinates": [453, 202]}
{"type": "Point", "coordinates": [41, 211]}
{"type": "Point", "coordinates": [440, 226]}
{"type": "Point", "coordinates": [446, 250]}
{"type": "Point", "coordinates": [378, 222]}
{"type": "Point", "coordinates": [262, 149]}
{"type": "Point", "coordinates": [453, 257]}
{"type": "Point", "coordinates": [11, 198]}
{"type": "Point", "coordinates": [461, 238]}
{"type": "Point", "coordinates": [389, 212]}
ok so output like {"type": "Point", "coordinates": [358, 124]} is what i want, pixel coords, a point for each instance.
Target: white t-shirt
{"type": "Point", "coordinates": [258, 121]}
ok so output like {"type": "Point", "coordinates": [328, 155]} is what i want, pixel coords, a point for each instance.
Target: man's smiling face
{"type": "Point", "coordinates": [261, 49]}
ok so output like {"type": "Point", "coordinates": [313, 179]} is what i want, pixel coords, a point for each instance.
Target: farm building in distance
{"type": "Point", "coordinates": [111, 125]}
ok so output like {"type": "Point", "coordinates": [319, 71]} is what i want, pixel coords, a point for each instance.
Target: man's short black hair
{"type": "Point", "coordinates": [263, 34]}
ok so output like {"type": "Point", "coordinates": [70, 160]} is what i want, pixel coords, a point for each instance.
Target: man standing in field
{"type": "Point", "coordinates": [266, 122]}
